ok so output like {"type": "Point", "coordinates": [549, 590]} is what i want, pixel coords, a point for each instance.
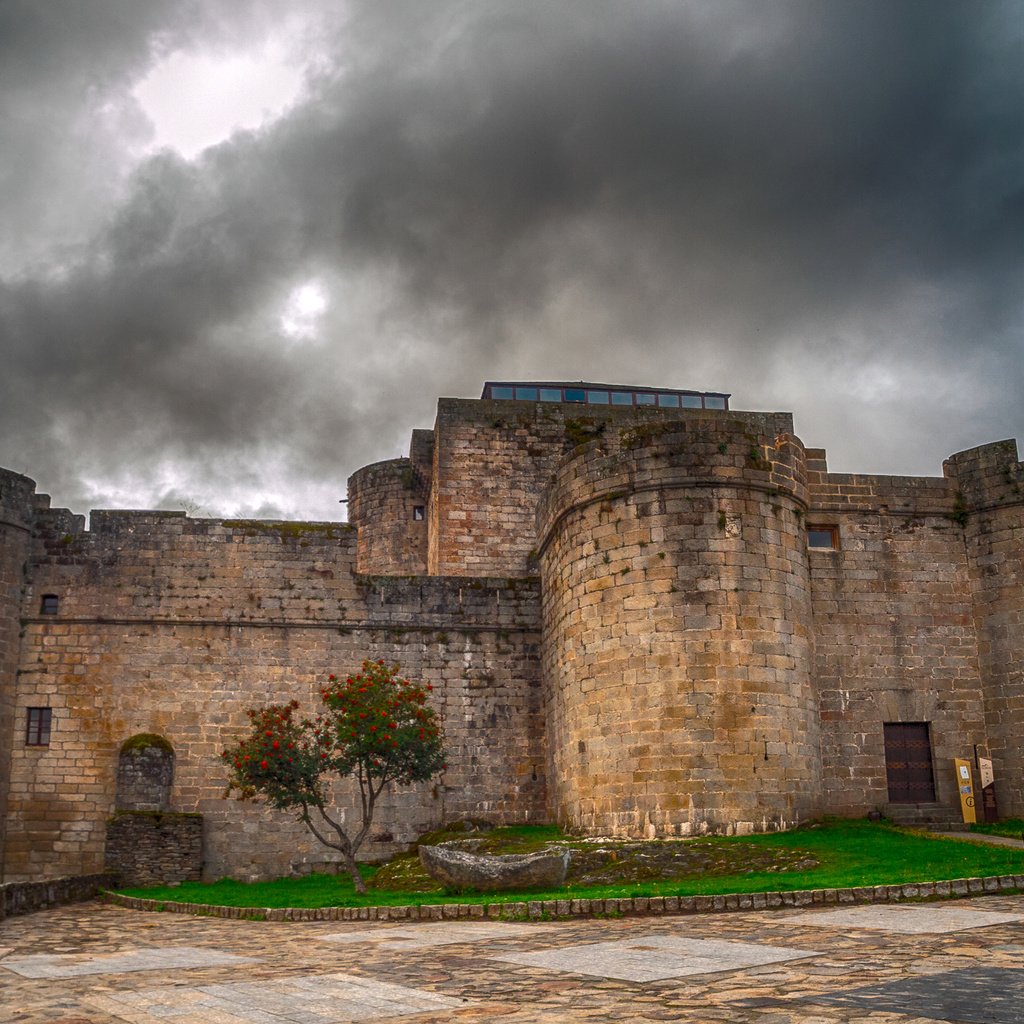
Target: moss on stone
{"type": "Point", "coordinates": [145, 740]}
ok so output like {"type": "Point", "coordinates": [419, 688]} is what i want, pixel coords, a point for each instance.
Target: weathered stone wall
{"type": "Point", "coordinates": [894, 630]}
{"type": "Point", "coordinates": [492, 460]}
{"type": "Point", "coordinates": [150, 848]}
{"type": "Point", "coordinates": [145, 773]}
{"type": "Point", "coordinates": [990, 503]}
{"type": "Point", "coordinates": [26, 897]}
{"type": "Point", "coordinates": [676, 630]}
{"type": "Point", "coordinates": [382, 500]}
{"type": "Point", "coordinates": [17, 496]}
{"type": "Point", "coordinates": [175, 626]}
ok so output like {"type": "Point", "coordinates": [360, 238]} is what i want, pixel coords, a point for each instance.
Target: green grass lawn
{"type": "Point", "coordinates": [848, 853]}
{"type": "Point", "coordinates": [1012, 828]}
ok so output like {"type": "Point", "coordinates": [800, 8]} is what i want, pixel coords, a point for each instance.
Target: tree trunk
{"type": "Point", "coordinates": [357, 878]}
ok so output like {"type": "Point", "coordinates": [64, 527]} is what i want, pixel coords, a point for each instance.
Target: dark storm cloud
{"type": "Point", "coordinates": [817, 205]}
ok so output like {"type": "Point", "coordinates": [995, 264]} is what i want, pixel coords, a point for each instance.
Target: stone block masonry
{"type": "Point", "coordinates": [153, 848]}
{"type": "Point", "coordinates": [638, 620]}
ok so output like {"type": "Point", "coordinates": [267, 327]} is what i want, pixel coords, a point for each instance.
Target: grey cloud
{"type": "Point", "coordinates": [774, 198]}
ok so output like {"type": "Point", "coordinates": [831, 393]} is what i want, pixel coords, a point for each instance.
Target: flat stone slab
{"type": "Point", "coordinates": [656, 957]}
{"type": "Point", "coordinates": [306, 999]}
{"type": "Point", "coordinates": [974, 995]}
{"type": "Point", "coordinates": [163, 958]}
{"type": "Point", "coordinates": [916, 920]}
{"type": "Point", "coordinates": [426, 935]}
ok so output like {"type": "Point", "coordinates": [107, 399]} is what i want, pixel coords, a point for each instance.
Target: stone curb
{"type": "Point", "coordinates": [639, 906]}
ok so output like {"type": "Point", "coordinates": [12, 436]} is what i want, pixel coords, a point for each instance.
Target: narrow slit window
{"type": "Point", "coordinates": [49, 604]}
{"type": "Point", "coordinates": [37, 727]}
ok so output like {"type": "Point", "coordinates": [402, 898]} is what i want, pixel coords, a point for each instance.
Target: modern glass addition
{"type": "Point", "coordinates": [597, 394]}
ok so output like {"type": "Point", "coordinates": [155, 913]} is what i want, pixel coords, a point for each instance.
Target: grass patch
{"type": "Point", "coordinates": [1012, 828]}
{"type": "Point", "coordinates": [834, 854]}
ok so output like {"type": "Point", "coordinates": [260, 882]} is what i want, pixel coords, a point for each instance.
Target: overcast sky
{"type": "Point", "coordinates": [245, 245]}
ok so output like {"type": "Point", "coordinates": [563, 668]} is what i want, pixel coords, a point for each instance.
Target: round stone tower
{"type": "Point", "coordinates": [990, 506]}
{"type": "Point", "coordinates": [17, 498]}
{"type": "Point", "coordinates": [387, 504]}
{"type": "Point", "coordinates": [676, 630]}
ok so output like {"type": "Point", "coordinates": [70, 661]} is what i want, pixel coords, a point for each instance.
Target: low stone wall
{"type": "Point", "coordinates": [637, 906]}
{"type": "Point", "coordinates": [153, 848]}
{"type": "Point", "coordinates": [25, 897]}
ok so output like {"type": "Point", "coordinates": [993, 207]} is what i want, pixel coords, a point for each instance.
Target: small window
{"type": "Point", "coordinates": [668, 401]}
{"type": "Point", "coordinates": [823, 537]}
{"type": "Point", "coordinates": [419, 513]}
{"type": "Point", "coordinates": [622, 398]}
{"type": "Point", "coordinates": [501, 392]}
{"type": "Point", "coordinates": [691, 401]}
{"type": "Point", "coordinates": [37, 728]}
{"type": "Point", "coordinates": [713, 402]}
{"type": "Point", "coordinates": [645, 398]}
{"type": "Point", "coordinates": [49, 604]}
{"type": "Point", "coordinates": [597, 397]}
{"type": "Point", "coordinates": [526, 394]}
{"type": "Point", "coordinates": [575, 395]}
{"type": "Point", "coordinates": [550, 394]}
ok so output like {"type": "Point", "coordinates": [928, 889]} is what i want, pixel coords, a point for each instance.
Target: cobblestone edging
{"type": "Point", "coordinates": [632, 906]}
{"type": "Point", "coordinates": [26, 897]}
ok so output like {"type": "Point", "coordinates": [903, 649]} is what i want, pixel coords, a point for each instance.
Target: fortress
{"type": "Point", "coordinates": [642, 613]}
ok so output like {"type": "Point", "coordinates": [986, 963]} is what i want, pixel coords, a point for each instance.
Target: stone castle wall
{"type": "Point", "coordinates": [174, 626]}
{"type": "Point", "coordinates": [989, 502]}
{"type": "Point", "coordinates": [894, 630]}
{"type": "Point", "coordinates": [677, 630]}
{"type": "Point", "coordinates": [684, 662]}
{"type": "Point", "coordinates": [17, 494]}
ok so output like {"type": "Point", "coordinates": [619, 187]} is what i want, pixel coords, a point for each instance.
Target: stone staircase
{"type": "Point", "coordinates": [933, 817]}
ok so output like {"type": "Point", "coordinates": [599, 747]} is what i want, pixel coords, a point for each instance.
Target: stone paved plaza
{"type": "Point", "coordinates": [959, 961]}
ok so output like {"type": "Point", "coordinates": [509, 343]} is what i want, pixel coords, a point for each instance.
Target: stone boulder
{"type": "Point", "coordinates": [457, 869]}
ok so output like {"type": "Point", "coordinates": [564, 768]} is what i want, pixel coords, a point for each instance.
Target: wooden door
{"type": "Point", "coordinates": [908, 763]}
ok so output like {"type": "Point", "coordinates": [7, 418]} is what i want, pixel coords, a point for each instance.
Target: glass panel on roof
{"type": "Point", "coordinates": [597, 397]}
{"type": "Point", "coordinates": [501, 392]}
{"type": "Point", "coordinates": [622, 398]}
{"type": "Point", "coordinates": [575, 395]}
{"type": "Point", "coordinates": [526, 394]}
{"type": "Point", "coordinates": [645, 398]}
{"type": "Point", "coordinates": [668, 401]}
{"type": "Point", "coordinates": [711, 402]}
{"type": "Point", "coordinates": [691, 401]}
{"type": "Point", "coordinates": [550, 394]}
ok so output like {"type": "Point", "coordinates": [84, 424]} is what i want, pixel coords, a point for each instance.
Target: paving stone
{"type": "Point", "coordinates": [916, 920]}
{"type": "Point", "coordinates": [975, 995]}
{"type": "Point", "coordinates": [423, 936]}
{"type": "Point", "coordinates": [482, 989]}
{"type": "Point", "coordinates": [650, 958]}
{"type": "Point", "coordinates": [166, 958]}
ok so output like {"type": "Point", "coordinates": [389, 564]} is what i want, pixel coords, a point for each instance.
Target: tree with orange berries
{"type": "Point", "coordinates": [376, 727]}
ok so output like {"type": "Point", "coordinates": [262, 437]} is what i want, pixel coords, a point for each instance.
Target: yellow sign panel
{"type": "Point", "coordinates": [965, 785]}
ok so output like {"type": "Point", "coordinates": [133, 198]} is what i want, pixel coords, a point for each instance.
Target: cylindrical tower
{"type": "Point", "coordinates": [676, 646]}
{"type": "Point", "coordinates": [17, 497]}
{"type": "Point", "coordinates": [990, 496]}
{"type": "Point", "coordinates": [387, 504]}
